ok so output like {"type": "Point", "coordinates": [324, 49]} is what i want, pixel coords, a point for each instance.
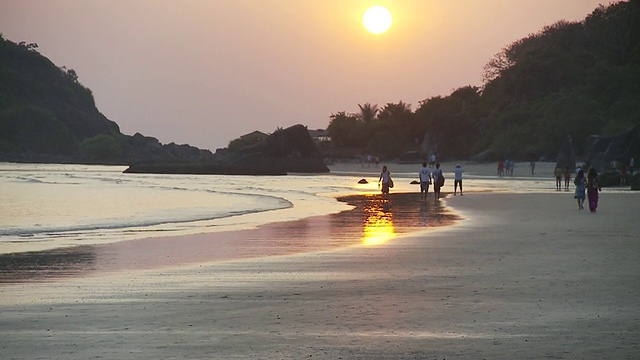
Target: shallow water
{"type": "Point", "coordinates": [49, 206]}
{"type": "Point", "coordinates": [373, 220]}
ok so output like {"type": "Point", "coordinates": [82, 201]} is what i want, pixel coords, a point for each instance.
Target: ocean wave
{"type": "Point", "coordinates": [58, 206]}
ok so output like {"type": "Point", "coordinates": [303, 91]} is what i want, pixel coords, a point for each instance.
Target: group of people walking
{"type": "Point", "coordinates": [506, 167]}
{"type": "Point", "coordinates": [590, 185]}
{"type": "Point", "coordinates": [560, 174]}
{"type": "Point", "coordinates": [587, 185]}
{"type": "Point", "coordinates": [427, 177]}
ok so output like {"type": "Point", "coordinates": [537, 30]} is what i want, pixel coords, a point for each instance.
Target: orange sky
{"type": "Point", "coordinates": [204, 72]}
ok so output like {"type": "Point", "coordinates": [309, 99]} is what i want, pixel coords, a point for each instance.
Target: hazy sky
{"type": "Point", "coordinates": [204, 72]}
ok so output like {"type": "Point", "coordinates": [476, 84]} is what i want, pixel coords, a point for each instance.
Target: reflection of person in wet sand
{"type": "Point", "coordinates": [424, 214]}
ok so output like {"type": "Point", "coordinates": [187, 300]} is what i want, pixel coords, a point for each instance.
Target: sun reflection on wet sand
{"type": "Point", "coordinates": [378, 226]}
{"type": "Point", "coordinates": [374, 220]}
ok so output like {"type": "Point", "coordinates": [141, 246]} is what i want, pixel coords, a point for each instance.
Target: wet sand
{"type": "Point", "coordinates": [520, 276]}
{"type": "Point", "coordinates": [373, 218]}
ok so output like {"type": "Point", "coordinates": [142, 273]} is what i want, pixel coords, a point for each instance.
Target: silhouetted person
{"type": "Point", "coordinates": [438, 180]}
{"type": "Point", "coordinates": [457, 179]}
{"type": "Point", "coordinates": [425, 180]}
{"type": "Point", "coordinates": [558, 174]}
{"type": "Point", "coordinates": [581, 183]}
{"type": "Point", "coordinates": [385, 178]}
{"type": "Point", "coordinates": [567, 178]}
{"type": "Point", "coordinates": [593, 188]}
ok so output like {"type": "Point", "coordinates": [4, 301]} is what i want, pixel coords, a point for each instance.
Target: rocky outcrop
{"type": "Point", "coordinates": [610, 152]}
{"type": "Point", "coordinates": [144, 149]}
{"type": "Point", "coordinates": [285, 151]}
{"type": "Point", "coordinates": [291, 149]}
{"type": "Point", "coordinates": [204, 168]}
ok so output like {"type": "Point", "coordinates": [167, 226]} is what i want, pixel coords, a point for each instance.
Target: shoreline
{"type": "Point", "coordinates": [525, 275]}
{"type": "Point", "coordinates": [373, 219]}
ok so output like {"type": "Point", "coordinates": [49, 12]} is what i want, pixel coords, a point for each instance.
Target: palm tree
{"type": "Point", "coordinates": [368, 112]}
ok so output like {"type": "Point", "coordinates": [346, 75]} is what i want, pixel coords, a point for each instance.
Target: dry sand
{"type": "Point", "coordinates": [522, 276]}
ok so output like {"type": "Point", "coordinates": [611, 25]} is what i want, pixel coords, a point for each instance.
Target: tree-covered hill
{"type": "Point", "coordinates": [570, 78]}
{"type": "Point", "coordinates": [47, 115]}
{"type": "Point", "coordinates": [43, 108]}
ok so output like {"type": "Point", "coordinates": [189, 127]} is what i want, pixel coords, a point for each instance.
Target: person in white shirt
{"type": "Point", "coordinates": [425, 180]}
{"type": "Point", "coordinates": [457, 179]}
{"type": "Point", "coordinates": [385, 178]}
{"type": "Point", "coordinates": [438, 180]}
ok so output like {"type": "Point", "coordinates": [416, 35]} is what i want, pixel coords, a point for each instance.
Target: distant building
{"type": "Point", "coordinates": [320, 135]}
{"type": "Point", "coordinates": [254, 137]}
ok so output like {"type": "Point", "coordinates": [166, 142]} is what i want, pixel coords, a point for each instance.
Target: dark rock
{"type": "Point", "coordinates": [609, 178]}
{"type": "Point", "coordinates": [291, 148]}
{"type": "Point", "coordinates": [286, 150]}
{"type": "Point", "coordinates": [414, 182]}
{"type": "Point", "coordinates": [142, 149]}
{"type": "Point", "coordinates": [363, 181]}
{"type": "Point", "coordinates": [218, 168]}
{"type": "Point", "coordinates": [635, 182]}
{"type": "Point", "coordinates": [609, 152]}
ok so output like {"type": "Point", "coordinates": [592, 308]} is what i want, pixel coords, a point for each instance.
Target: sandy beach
{"type": "Point", "coordinates": [511, 276]}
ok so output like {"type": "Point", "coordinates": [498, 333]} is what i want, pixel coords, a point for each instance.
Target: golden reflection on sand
{"type": "Point", "coordinates": [374, 220]}
{"type": "Point", "coordinates": [378, 226]}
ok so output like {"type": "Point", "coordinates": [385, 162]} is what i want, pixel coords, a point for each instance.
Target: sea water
{"type": "Point", "coordinates": [47, 206]}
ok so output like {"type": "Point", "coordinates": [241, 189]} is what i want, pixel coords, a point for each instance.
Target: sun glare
{"type": "Point", "coordinates": [377, 19]}
{"type": "Point", "coordinates": [378, 227]}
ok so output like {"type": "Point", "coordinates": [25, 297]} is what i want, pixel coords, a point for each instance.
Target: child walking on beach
{"type": "Point", "coordinates": [580, 182]}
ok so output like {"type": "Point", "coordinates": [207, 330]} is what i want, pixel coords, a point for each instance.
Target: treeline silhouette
{"type": "Point", "coordinates": [570, 78]}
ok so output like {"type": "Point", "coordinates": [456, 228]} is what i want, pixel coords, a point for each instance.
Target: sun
{"type": "Point", "coordinates": [377, 19]}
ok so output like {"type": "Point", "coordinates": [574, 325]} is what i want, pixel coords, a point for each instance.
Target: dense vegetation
{"type": "Point", "coordinates": [46, 115]}
{"type": "Point", "coordinates": [45, 110]}
{"type": "Point", "coordinates": [571, 78]}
